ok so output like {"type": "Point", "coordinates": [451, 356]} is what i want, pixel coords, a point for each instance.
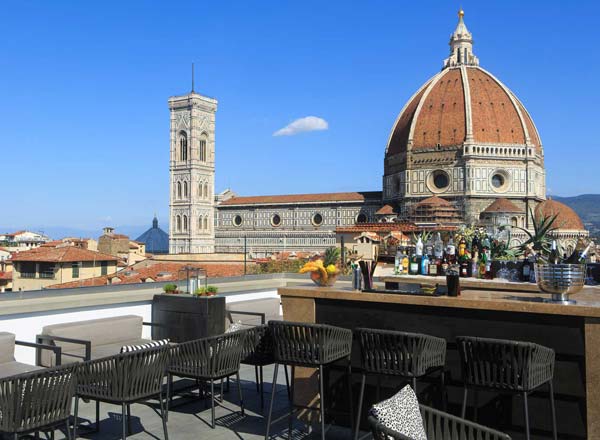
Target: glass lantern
{"type": "Point", "coordinates": [191, 278]}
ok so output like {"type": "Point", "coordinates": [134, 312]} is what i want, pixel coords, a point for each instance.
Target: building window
{"type": "Point", "coordinates": [317, 219]}
{"type": "Point", "coordinates": [497, 180]}
{"type": "Point", "coordinates": [206, 223]}
{"type": "Point", "coordinates": [206, 190]}
{"type": "Point", "coordinates": [178, 223]}
{"type": "Point", "coordinates": [103, 267]}
{"type": "Point", "coordinates": [185, 190]}
{"type": "Point", "coordinates": [46, 270]}
{"type": "Point", "coordinates": [178, 190]}
{"type": "Point", "coordinates": [183, 146]}
{"type": "Point", "coordinates": [500, 181]}
{"type": "Point", "coordinates": [75, 269]}
{"type": "Point", "coordinates": [362, 218]}
{"type": "Point", "coordinates": [237, 220]}
{"type": "Point", "coordinates": [185, 223]}
{"type": "Point", "coordinates": [438, 180]}
{"type": "Point", "coordinates": [275, 220]}
{"type": "Point", "coordinates": [203, 148]}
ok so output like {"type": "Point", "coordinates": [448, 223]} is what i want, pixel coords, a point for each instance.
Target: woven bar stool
{"type": "Point", "coordinates": [308, 345]}
{"type": "Point", "coordinates": [392, 353]}
{"type": "Point", "coordinates": [506, 366]}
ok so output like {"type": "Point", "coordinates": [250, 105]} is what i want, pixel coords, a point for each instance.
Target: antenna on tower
{"type": "Point", "coordinates": [192, 77]}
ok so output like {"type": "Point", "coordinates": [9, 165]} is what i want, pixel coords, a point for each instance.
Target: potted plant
{"type": "Point", "coordinates": [324, 271]}
{"type": "Point", "coordinates": [170, 288]}
{"type": "Point", "coordinates": [212, 290]}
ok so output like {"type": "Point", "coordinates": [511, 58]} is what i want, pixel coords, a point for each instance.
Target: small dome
{"type": "Point", "coordinates": [155, 239]}
{"type": "Point", "coordinates": [566, 218]}
{"type": "Point", "coordinates": [502, 205]}
{"type": "Point", "coordinates": [434, 201]}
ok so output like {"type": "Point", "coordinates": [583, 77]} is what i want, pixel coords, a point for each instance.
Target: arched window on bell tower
{"type": "Point", "coordinates": [206, 190]}
{"type": "Point", "coordinates": [178, 223]}
{"type": "Point", "coordinates": [178, 190]}
{"type": "Point", "coordinates": [202, 147]}
{"type": "Point", "coordinates": [185, 190]}
{"type": "Point", "coordinates": [206, 223]}
{"type": "Point", "coordinates": [183, 146]}
{"type": "Point", "coordinates": [185, 223]}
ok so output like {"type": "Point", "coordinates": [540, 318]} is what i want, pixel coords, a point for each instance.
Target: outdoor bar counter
{"type": "Point", "coordinates": [573, 331]}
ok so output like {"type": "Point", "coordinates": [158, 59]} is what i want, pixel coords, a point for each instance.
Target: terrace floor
{"type": "Point", "coordinates": [189, 418]}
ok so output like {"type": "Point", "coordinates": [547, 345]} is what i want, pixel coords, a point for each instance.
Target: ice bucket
{"type": "Point", "coordinates": [560, 280]}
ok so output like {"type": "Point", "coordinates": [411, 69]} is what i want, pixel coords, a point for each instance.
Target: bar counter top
{"type": "Point", "coordinates": [587, 301]}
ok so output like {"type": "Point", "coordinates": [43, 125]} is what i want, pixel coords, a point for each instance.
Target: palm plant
{"type": "Point", "coordinates": [539, 241]}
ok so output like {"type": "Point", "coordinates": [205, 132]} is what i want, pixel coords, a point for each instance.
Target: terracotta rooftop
{"type": "Point", "coordinates": [566, 218]}
{"type": "Point", "coordinates": [502, 205]}
{"type": "Point", "coordinates": [61, 255]}
{"type": "Point", "coordinates": [436, 114]}
{"type": "Point", "coordinates": [303, 198]}
{"type": "Point", "coordinates": [389, 227]}
{"type": "Point", "coordinates": [385, 210]}
{"type": "Point", "coordinates": [434, 201]}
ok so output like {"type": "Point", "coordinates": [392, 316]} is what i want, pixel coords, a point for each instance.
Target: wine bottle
{"type": "Point", "coordinates": [525, 270]}
{"type": "Point", "coordinates": [419, 247]}
{"type": "Point", "coordinates": [553, 258]}
{"type": "Point", "coordinates": [438, 247]}
{"type": "Point", "coordinates": [579, 254]}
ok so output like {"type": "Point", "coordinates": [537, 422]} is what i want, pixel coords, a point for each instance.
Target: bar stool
{"type": "Point", "coordinates": [308, 345]}
{"type": "Point", "coordinates": [393, 353]}
{"type": "Point", "coordinates": [507, 366]}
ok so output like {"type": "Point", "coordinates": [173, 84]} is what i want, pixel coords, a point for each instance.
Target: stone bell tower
{"type": "Point", "coordinates": [192, 173]}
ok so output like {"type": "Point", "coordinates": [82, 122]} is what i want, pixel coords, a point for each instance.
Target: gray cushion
{"type": "Point", "coordinates": [7, 347]}
{"type": "Point", "coordinates": [105, 331]}
{"type": "Point", "coordinates": [13, 368]}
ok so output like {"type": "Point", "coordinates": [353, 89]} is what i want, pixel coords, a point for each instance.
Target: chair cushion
{"type": "Point", "coordinates": [14, 368]}
{"type": "Point", "coordinates": [401, 414]}
{"type": "Point", "coordinates": [7, 347]}
{"type": "Point", "coordinates": [128, 348]}
{"type": "Point", "coordinates": [117, 330]}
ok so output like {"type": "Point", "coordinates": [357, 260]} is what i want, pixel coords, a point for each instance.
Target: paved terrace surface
{"type": "Point", "coordinates": [190, 416]}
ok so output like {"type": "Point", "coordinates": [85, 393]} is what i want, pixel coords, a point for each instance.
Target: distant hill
{"type": "Point", "coordinates": [587, 206]}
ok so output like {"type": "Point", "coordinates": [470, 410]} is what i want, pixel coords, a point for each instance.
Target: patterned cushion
{"type": "Point", "coordinates": [234, 327]}
{"type": "Point", "coordinates": [128, 348]}
{"type": "Point", "coordinates": [401, 413]}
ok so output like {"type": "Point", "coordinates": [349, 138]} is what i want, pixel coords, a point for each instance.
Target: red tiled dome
{"type": "Point", "coordinates": [434, 201]}
{"type": "Point", "coordinates": [502, 205]}
{"type": "Point", "coordinates": [566, 218]}
{"type": "Point", "coordinates": [459, 104]}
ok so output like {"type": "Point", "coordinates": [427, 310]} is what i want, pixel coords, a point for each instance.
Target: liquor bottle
{"type": "Point", "coordinates": [486, 248]}
{"type": "Point", "coordinates": [474, 263]}
{"type": "Point", "coordinates": [444, 266]}
{"type": "Point", "coordinates": [405, 263]}
{"type": "Point", "coordinates": [475, 245]}
{"type": "Point", "coordinates": [397, 263]}
{"type": "Point", "coordinates": [414, 265]}
{"type": "Point", "coordinates": [553, 258]}
{"type": "Point", "coordinates": [419, 248]}
{"type": "Point", "coordinates": [434, 267]}
{"type": "Point", "coordinates": [526, 270]}
{"type": "Point", "coordinates": [482, 265]}
{"type": "Point", "coordinates": [425, 265]}
{"type": "Point", "coordinates": [451, 253]}
{"type": "Point", "coordinates": [438, 247]}
{"type": "Point", "coordinates": [464, 268]}
{"type": "Point", "coordinates": [462, 247]}
{"type": "Point", "coordinates": [532, 261]}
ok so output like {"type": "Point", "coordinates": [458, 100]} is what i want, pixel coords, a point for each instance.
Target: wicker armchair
{"type": "Point", "coordinates": [125, 379]}
{"type": "Point", "coordinates": [440, 426]}
{"type": "Point", "coordinates": [508, 366]}
{"type": "Point", "coordinates": [210, 359]}
{"type": "Point", "coordinates": [308, 345]}
{"type": "Point", "coordinates": [407, 355]}
{"type": "Point", "coordinates": [37, 401]}
{"type": "Point", "coordinates": [258, 351]}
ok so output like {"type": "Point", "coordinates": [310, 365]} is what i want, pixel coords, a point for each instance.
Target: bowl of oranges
{"type": "Point", "coordinates": [323, 272]}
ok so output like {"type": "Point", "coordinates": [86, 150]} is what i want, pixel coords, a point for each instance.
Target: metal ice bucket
{"type": "Point", "coordinates": [560, 280]}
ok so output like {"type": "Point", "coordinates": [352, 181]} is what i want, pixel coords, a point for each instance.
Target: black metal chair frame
{"type": "Point", "coordinates": [209, 359]}
{"type": "Point", "coordinates": [37, 401]}
{"type": "Point", "coordinates": [506, 366]}
{"type": "Point", "coordinates": [124, 379]}
{"type": "Point", "coordinates": [401, 354]}
{"type": "Point", "coordinates": [313, 346]}
{"type": "Point", "coordinates": [439, 425]}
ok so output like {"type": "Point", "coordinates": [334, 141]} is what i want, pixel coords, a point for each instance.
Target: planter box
{"type": "Point", "coordinates": [185, 317]}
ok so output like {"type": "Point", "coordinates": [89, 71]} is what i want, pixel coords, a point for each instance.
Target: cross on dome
{"type": "Point", "coordinates": [461, 46]}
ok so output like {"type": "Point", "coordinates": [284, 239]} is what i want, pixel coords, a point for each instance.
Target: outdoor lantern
{"type": "Point", "coordinates": [193, 277]}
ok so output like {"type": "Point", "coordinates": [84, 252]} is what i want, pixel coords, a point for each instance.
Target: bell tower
{"type": "Point", "coordinates": [192, 173]}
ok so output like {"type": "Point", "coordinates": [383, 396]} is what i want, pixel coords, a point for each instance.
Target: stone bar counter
{"type": "Point", "coordinates": [573, 331]}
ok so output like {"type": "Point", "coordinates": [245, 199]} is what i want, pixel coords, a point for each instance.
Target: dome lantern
{"type": "Point", "coordinates": [461, 46]}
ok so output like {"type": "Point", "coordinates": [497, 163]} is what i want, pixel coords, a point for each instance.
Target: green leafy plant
{"type": "Point", "coordinates": [170, 288]}
{"type": "Point", "coordinates": [539, 240]}
{"type": "Point", "coordinates": [212, 290]}
{"type": "Point", "coordinates": [200, 291]}
{"type": "Point", "coordinates": [332, 255]}
{"type": "Point", "coordinates": [424, 236]}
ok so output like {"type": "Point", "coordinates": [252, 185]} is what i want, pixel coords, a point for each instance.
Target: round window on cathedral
{"type": "Point", "coordinates": [499, 181]}
{"type": "Point", "coordinates": [237, 220]}
{"type": "Point", "coordinates": [362, 218]}
{"type": "Point", "coordinates": [317, 219]}
{"type": "Point", "coordinates": [275, 220]}
{"type": "Point", "coordinates": [438, 181]}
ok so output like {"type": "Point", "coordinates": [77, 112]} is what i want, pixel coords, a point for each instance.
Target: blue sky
{"type": "Point", "coordinates": [84, 87]}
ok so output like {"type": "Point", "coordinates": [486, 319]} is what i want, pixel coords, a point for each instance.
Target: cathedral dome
{"type": "Point", "coordinates": [566, 218]}
{"type": "Point", "coordinates": [462, 105]}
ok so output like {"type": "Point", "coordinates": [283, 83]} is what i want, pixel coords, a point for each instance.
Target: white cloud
{"type": "Point", "coordinates": [308, 123]}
